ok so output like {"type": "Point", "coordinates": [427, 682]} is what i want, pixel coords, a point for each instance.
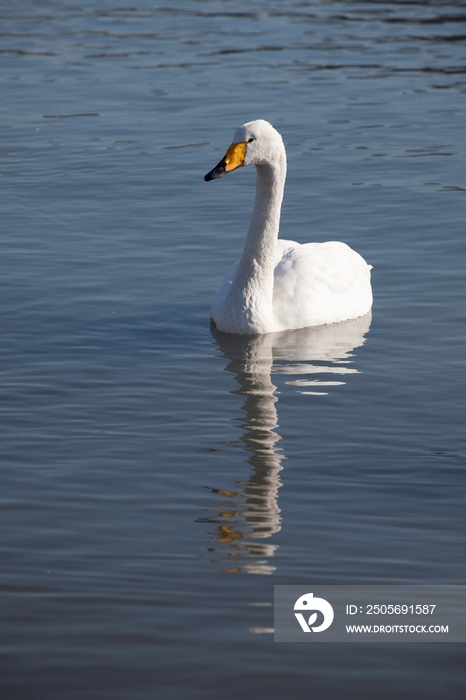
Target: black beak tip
{"type": "Point", "coordinates": [216, 172]}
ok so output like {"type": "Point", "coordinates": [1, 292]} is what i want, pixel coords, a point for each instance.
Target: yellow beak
{"type": "Point", "coordinates": [233, 158]}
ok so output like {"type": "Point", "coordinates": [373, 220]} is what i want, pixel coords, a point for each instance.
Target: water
{"type": "Point", "coordinates": [159, 477]}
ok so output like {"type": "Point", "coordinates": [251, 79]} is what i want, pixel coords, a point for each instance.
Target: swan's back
{"type": "Point", "coordinates": [318, 283]}
{"type": "Point", "coordinates": [314, 284]}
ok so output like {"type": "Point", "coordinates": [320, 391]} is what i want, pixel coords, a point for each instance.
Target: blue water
{"type": "Point", "coordinates": [159, 477]}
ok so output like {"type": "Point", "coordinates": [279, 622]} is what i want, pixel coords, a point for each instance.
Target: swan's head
{"type": "Point", "coordinates": [254, 143]}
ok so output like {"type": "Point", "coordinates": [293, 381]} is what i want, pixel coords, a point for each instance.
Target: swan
{"type": "Point", "coordinates": [280, 285]}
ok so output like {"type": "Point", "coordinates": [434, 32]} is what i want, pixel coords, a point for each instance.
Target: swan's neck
{"type": "Point", "coordinates": [252, 287]}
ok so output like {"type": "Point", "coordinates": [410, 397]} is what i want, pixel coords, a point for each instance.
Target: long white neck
{"type": "Point", "coordinates": [251, 291]}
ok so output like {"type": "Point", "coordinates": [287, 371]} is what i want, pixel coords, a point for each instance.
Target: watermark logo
{"type": "Point", "coordinates": [308, 603]}
{"type": "Point", "coordinates": [364, 613]}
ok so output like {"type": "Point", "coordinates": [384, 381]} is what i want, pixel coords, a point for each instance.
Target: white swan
{"type": "Point", "coordinates": [278, 285]}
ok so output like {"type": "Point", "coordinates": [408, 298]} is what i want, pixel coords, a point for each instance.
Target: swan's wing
{"type": "Point", "coordinates": [318, 281]}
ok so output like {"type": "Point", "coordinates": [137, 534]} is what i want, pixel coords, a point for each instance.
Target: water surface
{"type": "Point", "coordinates": [159, 477]}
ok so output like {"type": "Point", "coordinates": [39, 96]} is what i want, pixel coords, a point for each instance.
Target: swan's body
{"type": "Point", "coordinates": [278, 285]}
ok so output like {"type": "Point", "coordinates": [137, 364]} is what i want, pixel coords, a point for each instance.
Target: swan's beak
{"type": "Point", "coordinates": [233, 158]}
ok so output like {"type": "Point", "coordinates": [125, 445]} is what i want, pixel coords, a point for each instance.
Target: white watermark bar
{"type": "Point", "coordinates": [376, 613]}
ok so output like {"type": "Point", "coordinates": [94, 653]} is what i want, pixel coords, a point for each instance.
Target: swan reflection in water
{"type": "Point", "coordinates": [321, 357]}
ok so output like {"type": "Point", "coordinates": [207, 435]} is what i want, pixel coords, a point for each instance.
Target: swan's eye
{"type": "Point", "coordinates": [251, 140]}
